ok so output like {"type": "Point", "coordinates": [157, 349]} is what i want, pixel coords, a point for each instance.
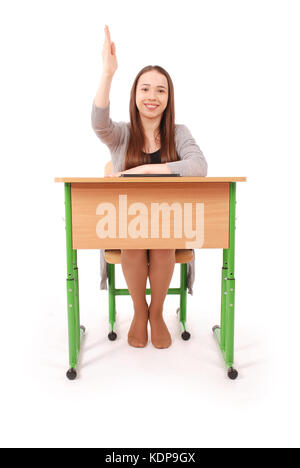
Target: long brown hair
{"type": "Point", "coordinates": [134, 155]}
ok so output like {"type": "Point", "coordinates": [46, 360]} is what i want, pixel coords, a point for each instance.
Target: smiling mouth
{"type": "Point", "coordinates": [150, 107]}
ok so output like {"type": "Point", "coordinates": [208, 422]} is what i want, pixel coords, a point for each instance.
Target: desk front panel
{"type": "Point", "coordinates": [150, 215]}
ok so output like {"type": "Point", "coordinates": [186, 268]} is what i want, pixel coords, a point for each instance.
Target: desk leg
{"type": "Point", "coordinates": [225, 334]}
{"type": "Point", "coordinates": [223, 299]}
{"type": "Point", "coordinates": [76, 292]}
{"type": "Point", "coordinates": [74, 329]}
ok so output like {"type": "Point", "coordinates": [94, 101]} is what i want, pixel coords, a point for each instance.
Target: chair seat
{"type": "Point", "coordinates": [181, 255]}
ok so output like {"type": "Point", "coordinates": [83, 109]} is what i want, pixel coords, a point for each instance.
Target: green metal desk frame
{"type": "Point", "coordinates": [224, 333]}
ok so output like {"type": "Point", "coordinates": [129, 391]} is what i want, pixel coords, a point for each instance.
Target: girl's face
{"type": "Point", "coordinates": [152, 89]}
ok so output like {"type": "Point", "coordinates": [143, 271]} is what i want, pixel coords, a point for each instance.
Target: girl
{"type": "Point", "coordinates": [150, 143]}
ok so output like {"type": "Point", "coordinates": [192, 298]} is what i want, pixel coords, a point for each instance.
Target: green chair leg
{"type": "Point", "coordinates": [183, 299]}
{"type": "Point", "coordinates": [111, 300]}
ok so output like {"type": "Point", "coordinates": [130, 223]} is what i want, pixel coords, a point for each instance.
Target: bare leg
{"type": "Point", "coordinates": [135, 270]}
{"type": "Point", "coordinates": [161, 270]}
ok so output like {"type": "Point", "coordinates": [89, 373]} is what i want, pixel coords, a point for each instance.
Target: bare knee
{"type": "Point", "coordinates": [135, 255]}
{"type": "Point", "coordinates": [162, 255]}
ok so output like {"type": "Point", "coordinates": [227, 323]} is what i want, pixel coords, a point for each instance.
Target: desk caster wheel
{"type": "Point", "coordinates": [232, 373]}
{"type": "Point", "coordinates": [112, 336]}
{"type": "Point", "coordinates": [71, 374]}
{"type": "Point", "coordinates": [185, 335]}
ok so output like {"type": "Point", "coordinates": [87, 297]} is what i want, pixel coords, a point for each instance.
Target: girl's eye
{"type": "Point", "coordinates": [145, 89]}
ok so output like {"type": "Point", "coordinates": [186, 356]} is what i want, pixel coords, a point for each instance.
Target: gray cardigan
{"type": "Point", "coordinates": [116, 136]}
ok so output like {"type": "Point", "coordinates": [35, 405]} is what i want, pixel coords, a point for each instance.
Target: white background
{"type": "Point", "coordinates": [235, 69]}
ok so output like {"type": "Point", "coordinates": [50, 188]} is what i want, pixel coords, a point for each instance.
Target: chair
{"type": "Point", "coordinates": [113, 257]}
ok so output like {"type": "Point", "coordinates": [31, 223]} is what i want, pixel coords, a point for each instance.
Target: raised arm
{"type": "Point", "coordinates": [110, 66]}
{"type": "Point", "coordinates": [108, 131]}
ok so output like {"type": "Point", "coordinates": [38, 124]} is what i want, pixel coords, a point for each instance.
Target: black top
{"type": "Point", "coordinates": [154, 158]}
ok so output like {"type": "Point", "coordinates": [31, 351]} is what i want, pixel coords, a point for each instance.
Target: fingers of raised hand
{"type": "Point", "coordinates": [107, 34]}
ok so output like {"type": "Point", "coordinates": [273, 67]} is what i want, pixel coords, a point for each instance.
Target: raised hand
{"type": "Point", "coordinates": [109, 58]}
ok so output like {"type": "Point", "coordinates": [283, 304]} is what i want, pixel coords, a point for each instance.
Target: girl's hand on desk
{"type": "Point", "coordinates": [134, 170]}
{"type": "Point", "coordinates": [115, 174]}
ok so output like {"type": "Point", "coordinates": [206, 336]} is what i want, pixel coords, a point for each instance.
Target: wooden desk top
{"type": "Point", "coordinates": [148, 179]}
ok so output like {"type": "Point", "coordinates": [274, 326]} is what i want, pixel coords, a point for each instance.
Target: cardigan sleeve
{"type": "Point", "coordinates": [192, 161]}
{"type": "Point", "coordinates": [110, 133]}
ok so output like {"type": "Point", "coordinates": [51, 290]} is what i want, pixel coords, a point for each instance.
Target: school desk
{"type": "Point", "coordinates": [135, 213]}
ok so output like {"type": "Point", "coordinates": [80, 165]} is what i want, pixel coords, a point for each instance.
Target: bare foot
{"type": "Point", "coordinates": [160, 335]}
{"type": "Point", "coordinates": [138, 332]}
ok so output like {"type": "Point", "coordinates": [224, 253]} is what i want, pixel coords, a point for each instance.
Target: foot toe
{"type": "Point", "coordinates": [136, 342]}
